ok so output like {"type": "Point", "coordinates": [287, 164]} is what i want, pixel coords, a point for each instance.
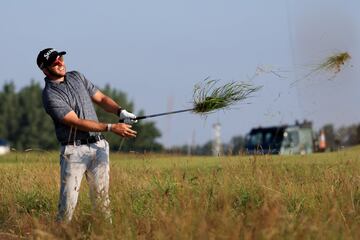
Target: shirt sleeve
{"type": "Point", "coordinates": [57, 108]}
{"type": "Point", "coordinates": [90, 87]}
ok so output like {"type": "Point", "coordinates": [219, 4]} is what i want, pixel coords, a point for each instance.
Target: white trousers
{"type": "Point", "coordinates": [91, 160]}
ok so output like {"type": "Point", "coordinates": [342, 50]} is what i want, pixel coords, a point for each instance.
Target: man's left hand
{"type": "Point", "coordinates": [127, 117]}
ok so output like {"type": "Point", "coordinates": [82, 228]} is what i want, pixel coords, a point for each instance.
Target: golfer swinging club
{"type": "Point", "coordinates": [67, 98]}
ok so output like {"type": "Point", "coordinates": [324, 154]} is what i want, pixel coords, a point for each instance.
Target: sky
{"type": "Point", "coordinates": [156, 51]}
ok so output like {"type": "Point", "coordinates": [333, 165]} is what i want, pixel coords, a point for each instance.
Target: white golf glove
{"type": "Point", "coordinates": [127, 117]}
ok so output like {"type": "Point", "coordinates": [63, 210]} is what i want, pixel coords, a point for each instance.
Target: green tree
{"type": "Point", "coordinates": [9, 113]}
{"type": "Point", "coordinates": [37, 129]}
{"type": "Point", "coordinates": [238, 145]}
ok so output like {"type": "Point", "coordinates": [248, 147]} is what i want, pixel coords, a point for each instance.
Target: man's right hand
{"type": "Point", "coordinates": [123, 130]}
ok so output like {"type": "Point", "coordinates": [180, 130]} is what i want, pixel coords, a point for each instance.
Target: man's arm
{"type": "Point", "coordinates": [111, 106]}
{"type": "Point", "coordinates": [122, 129]}
{"type": "Point", "coordinates": [105, 102]}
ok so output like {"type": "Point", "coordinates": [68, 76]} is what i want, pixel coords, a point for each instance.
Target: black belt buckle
{"type": "Point", "coordinates": [94, 139]}
{"type": "Point", "coordinates": [77, 142]}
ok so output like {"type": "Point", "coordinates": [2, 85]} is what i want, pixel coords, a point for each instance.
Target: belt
{"type": "Point", "coordinates": [89, 140]}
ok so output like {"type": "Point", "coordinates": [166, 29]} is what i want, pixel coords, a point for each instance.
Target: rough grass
{"type": "Point", "coordinates": [173, 197]}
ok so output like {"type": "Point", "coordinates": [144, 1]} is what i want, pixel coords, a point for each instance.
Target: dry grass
{"type": "Point", "coordinates": [335, 62]}
{"type": "Point", "coordinates": [332, 64]}
{"type": "Point", "coordinates": [173, 197]}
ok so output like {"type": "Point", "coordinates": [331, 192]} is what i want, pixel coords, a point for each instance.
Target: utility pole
{"type": "Point", "coordinates": [192, 144]}
{"type": "Point", "coordinates": [216, 146]}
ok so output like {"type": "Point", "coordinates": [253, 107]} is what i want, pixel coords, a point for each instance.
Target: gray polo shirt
{"type": "Point", "coordinates": [73, 94]}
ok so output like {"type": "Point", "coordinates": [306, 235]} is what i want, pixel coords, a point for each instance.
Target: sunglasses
{"type": "Point", "coordinates": [58, 61]}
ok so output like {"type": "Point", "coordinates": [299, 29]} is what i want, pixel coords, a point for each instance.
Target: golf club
{"type": "Point", "coordinates": [161, 114]}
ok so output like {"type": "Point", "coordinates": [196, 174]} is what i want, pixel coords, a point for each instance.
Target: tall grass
{"type": "Point", "coordinates": [172, 197]}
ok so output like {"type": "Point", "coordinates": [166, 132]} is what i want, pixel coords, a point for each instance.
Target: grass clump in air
{"type": "Point", "coordinates": [335, 62]}
{"type": "Point", "coordinates": [332, 64]}
{"type": "Point", "coordinates": [208, 97]}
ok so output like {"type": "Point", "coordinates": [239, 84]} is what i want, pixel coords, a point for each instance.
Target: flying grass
{"type": "Point", "coordinates": [331, 64]}
{"type": "Point", "coordinates": [335, 62]}
{"type": "Point", "coordinates": [208, 97]}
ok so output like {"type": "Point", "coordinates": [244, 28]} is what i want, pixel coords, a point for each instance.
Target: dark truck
{"type": "Point", "coordinates": [293, 139]}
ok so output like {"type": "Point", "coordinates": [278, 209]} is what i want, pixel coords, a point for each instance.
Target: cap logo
{"type": "Point", "coordinates": [47, 54]}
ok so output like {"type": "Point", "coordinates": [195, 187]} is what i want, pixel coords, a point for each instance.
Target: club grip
{"type": "Point", "coordinates": [137, 118]}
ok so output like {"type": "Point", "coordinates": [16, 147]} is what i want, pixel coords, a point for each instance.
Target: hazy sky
{"type": "Point", "coordinates": [156, 51]}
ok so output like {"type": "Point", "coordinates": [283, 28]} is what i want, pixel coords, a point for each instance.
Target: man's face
{"type": "Point", "coordinates": [57, 69]}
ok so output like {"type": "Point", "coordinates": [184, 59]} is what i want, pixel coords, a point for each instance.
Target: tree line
{"type": "Point", "coordinates": [25, 124]}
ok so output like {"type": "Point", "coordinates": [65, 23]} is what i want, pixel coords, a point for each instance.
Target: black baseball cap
{"type": "Point", "coordinates": [47, 56]}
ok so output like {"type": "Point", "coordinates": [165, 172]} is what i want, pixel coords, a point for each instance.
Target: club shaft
{"type": "Point", "coordinates": [165, 113]}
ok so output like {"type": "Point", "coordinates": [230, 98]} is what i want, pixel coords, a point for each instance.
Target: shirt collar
{"type": "Point", "coordinates": [47, 80]}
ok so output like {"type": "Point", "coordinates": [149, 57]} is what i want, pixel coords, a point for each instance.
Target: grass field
{"type": "Point", "coordinates": [175, 197]}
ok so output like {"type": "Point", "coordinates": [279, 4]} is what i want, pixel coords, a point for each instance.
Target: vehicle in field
{"type": "Point", "coordinates": [286, 140]}
{"type": "Point", "coordinates": [4, 147]}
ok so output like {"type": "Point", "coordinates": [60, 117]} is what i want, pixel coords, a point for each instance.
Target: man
{"type": "Point", "coordinates": [67, 98]}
